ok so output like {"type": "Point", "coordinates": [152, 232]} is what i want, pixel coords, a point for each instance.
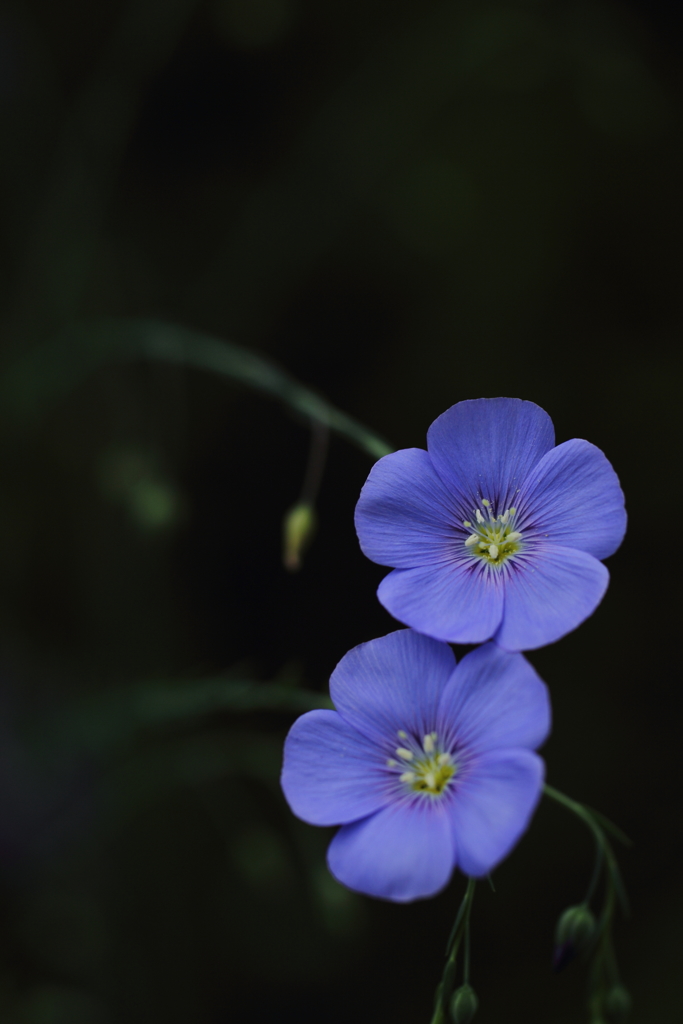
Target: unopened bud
{"type": "Point", "coordinates": [464, 1005]}
{"type": "Point", "coordinates": [617, 1005]}
{"type": "Point", "coordinates": [298, 528]}
{"type": "Point", "coordinates": [574, 931]}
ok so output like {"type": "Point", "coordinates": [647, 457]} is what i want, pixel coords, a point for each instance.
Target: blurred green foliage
{"type": "Point", "coordinates": [350, 205]}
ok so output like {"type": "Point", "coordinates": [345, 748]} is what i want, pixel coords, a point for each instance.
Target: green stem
{"type": "Point", "coordinates": [595, 877]}
{"type": "Point", "coordinates": [466, 964]}
{"type": "Point", "coordinates": [317, 456]}
{"type": "Point", "coordinates": [604, 972]}
{"type": "Point", "coordinates": [601, 839]}
{"type": "Point", "coordinates": [462, 911]}
{"type": "Point", "coordinates": [48, 373]}
{"type": "Point", "coordinates": [460, 930]}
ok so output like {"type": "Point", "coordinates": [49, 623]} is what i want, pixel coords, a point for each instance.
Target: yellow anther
{"type": "Point", "coordinates": [391, 763]}
{"type": "Point", "coordinates": [402, 735]}
{"type": "Point", "coordinates": [493, 550]}
{"type": "Point", "coordinates": [408, 777]}
{"type": "Point", "coordinates": [406, 755]}
{"type": "Point", "coordinates": [428, 744]}
{"type": "Point", "coordinates": [485, 502]}
{"type": "Point", "coordinates": [472, 539]}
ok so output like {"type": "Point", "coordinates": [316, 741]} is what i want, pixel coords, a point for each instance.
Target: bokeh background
{"type": "Point", "coordinates": [404, 205]}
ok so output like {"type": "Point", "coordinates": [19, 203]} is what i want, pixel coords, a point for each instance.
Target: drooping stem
{"type": "Point", "coordinates": [595, 823]}
{"type": "Point", "coordinates": [605, 972]}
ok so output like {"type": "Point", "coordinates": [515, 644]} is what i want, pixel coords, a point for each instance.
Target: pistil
{"type": "Point", "coordinates": [493, 538]}
{"type": "Point", "coordinates": [428, 768]}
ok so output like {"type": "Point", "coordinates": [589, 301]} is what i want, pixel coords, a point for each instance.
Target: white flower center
{"type": "Point", "coordinates": [427, 769]}
{"type": "Point", "coordinates": [493, 538]}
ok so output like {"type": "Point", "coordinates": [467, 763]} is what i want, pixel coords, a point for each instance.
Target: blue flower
{"type": "Point", "coordinates": [425, 765]}
{"type": "Point", "coordinates": [492, 532]}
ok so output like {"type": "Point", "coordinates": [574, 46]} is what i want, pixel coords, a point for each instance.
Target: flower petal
{"type": "Point", "coordinates": [392, 683]}
{"type": "Point", "coordinates": [492, 807]}
{"type": "Point", "coordinates": [405, 516]}
{"type": "Point", "coordinates": [485, 448]}
{"type": "Point", "coordinates": [573, 497]}
{"type": "Point", "coordinates": [549, 593]}
{"type": "Point", "coordinates": [404, 852]}
{"type": "Point", "coordinates": [331, 773]}
{"type": "Point", "coordinates": [494, 700]}
{"type": "Point", "coordinates": [460, 602]}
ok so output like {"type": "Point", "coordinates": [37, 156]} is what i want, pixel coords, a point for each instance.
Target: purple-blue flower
{"type": "Point", "coordinates": [425, 765]}
{"type": "Point", "coordinates": [493, 532]}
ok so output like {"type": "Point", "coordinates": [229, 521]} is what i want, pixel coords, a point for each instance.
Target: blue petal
{"type": "Point", "coordinates": [331, 773]}
{"type": "Point", "coordinates": [392, 683]}
{"type": "Point", "coordinates": [460, 602]}
{"type": "Point", "coordinates": [573, 497]}
{"type": "Point", "coordinates": [405, 516]}
{"type": "Point", "coordinates": [547, 594]}
{"type": "Point", "coordinates": [494, 700]}
{"type": "Point", "coordinates": [486, 448]}
{"type": "Point", "coordinates": [492, 807]}
{"type": "Point", "coordinates": [402, 853]}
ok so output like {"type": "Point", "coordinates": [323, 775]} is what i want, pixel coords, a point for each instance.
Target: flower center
{"type": "Point", "coordinates": [427, 769]}
{"type": "Point", "coordinates": [493, 538]}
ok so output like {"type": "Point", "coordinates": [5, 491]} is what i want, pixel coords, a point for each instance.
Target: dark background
{"type": "Point", "coordinates": [405, 204]}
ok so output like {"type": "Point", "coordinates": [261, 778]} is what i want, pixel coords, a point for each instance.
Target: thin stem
{"type": "Point", "coordinates": [595, 878]}
{"type": "Point", "coordinates": [466, 963]}
{"type": "Point", "coordinates": [601, 839]}
{"type": "Point", "coordinates": [36, 382]}
{"type": "Point", "coordinates": [463, 909]}
{"type": "Point", "coordinates": [460, 930]}
{"type": "Point", "coordinates": [605, 973]}
{"type": "Point", "coordinates": [317, 456]}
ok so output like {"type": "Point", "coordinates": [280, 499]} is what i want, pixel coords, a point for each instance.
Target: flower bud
{"type": "Point", "coordinates": [464, 1005]}
{"type": "Point", "coordinates": [574, 931]}
{"type": "Point", "coordinates": [297, 532]}
{"type": "Point", "coordinates": [617, 1005]}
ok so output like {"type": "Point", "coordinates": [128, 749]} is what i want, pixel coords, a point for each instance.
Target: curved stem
{"type": "Point", "coordinates": [36, 382]}
{"type": "Point", "coordinates": [605, 973]}
{"type": "Point", "coordinates": [601, 839]}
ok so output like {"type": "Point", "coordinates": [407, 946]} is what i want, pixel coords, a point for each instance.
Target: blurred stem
{"type": "Point", "coordinates": [595, 877]}
{"type": "Point", "coordinates": [466, 963]}
{"type": "Point", "coordinates": [317, 456]}
{"type": "Point", "coordinates": [604, 972]}
{"type": "Point", "coordinates": [49, 372]}
{"type": "Point", "coordinates": [460, 930]}
{"type": "Point", "coordinates": [109, 720]}
{"type": "Point", "coordinates": [590, 819]}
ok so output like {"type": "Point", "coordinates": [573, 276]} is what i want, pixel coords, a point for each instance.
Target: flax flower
{"type": "Point", "coordinates": [493, 532]}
